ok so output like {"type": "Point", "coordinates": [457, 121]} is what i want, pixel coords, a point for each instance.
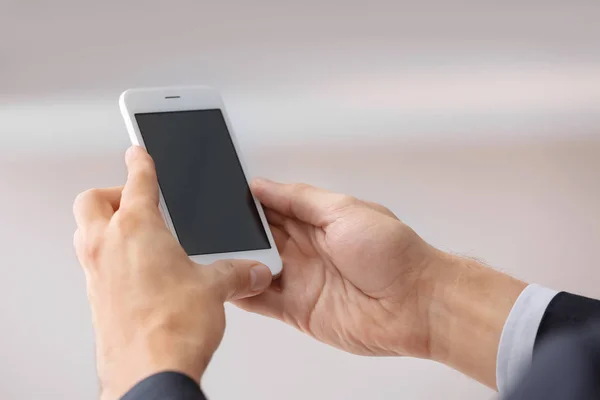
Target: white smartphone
{"type": "Point", "coordinates": [204, 193]}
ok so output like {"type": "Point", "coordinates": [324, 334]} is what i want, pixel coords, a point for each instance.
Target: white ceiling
{"type": "Point", "coordinates": [303, 71]}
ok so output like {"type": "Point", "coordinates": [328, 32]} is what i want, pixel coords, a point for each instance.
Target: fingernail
{"type": "Point", "coordinates": [260, 278]}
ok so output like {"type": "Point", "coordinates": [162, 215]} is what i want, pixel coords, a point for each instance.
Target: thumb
{"type": "Point", "coordinates": [237, 279]}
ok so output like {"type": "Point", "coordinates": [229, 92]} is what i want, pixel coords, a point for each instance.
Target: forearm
{"type": "Point", "coordinates": [469, 304]}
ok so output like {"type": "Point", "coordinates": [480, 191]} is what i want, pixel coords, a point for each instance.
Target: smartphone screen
{"type": "Point", "coordinates": [202, 181]}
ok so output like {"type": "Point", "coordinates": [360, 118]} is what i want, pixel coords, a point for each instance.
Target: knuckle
{"type": "Point", "coordinates": [88, 247]}
{"type": "Point", "coordinates": [128, 219]}
{"type": "Point", "coordinates": [345, 201]}
{"type": "Point", "coordinates": [228, 276]}
{"type": "Point", "coordinates": [300, 187]}
{"type": "Point", "coordinates": [342, 204]}
{"type": "Point", "coordinates": [91, 250]}
{"type": "Point", "coordinates": [85, 196]}
{"type": "Point", "coordinates": [225, 268]}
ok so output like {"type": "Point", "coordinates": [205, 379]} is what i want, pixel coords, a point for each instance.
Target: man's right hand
{"type": "Point", "coordinates": [359, 279]}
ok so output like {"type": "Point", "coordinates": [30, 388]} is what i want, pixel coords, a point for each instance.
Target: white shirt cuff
{"type": "Point", "coordinates": [515, 351]}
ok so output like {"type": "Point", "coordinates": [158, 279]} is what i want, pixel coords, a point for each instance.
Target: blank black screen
{"type": "Point", "coordinates": [202, 181]}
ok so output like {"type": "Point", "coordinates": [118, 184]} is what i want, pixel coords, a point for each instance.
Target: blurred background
{"type": "Point", "coordinates": [477, 122]}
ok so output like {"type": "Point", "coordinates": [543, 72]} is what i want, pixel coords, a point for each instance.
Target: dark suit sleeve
{"type": "Point", "coordinates": [566, 366]}
{"type": "Point", "coordinates": [566, 356]}
{"type": "Point", "coordinates": [166, 386]}
{"type": "Point", "coordinates": [566, 311]}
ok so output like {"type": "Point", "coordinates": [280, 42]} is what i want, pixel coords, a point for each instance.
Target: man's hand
{"type": "Point", "coordinates": [356, 277]}
{"type": "Point", "coordinates": [351, 274]}
{"type": "Point", "coordinates": [153, 309]}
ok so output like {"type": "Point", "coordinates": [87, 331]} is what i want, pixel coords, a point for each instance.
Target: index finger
{"type": "Point", "coordinates": [304, 202]}
{"type": "Point", "coordinates": [142, 183]}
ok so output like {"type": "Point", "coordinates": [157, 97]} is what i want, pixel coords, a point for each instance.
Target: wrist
{"type": "Point", "coordinates": [468, 304]}
{"type": "Point", "coordinates": [148, 356]}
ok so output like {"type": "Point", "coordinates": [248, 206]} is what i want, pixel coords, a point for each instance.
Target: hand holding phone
{"type": "Point", "coordinates": [153, 309]}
